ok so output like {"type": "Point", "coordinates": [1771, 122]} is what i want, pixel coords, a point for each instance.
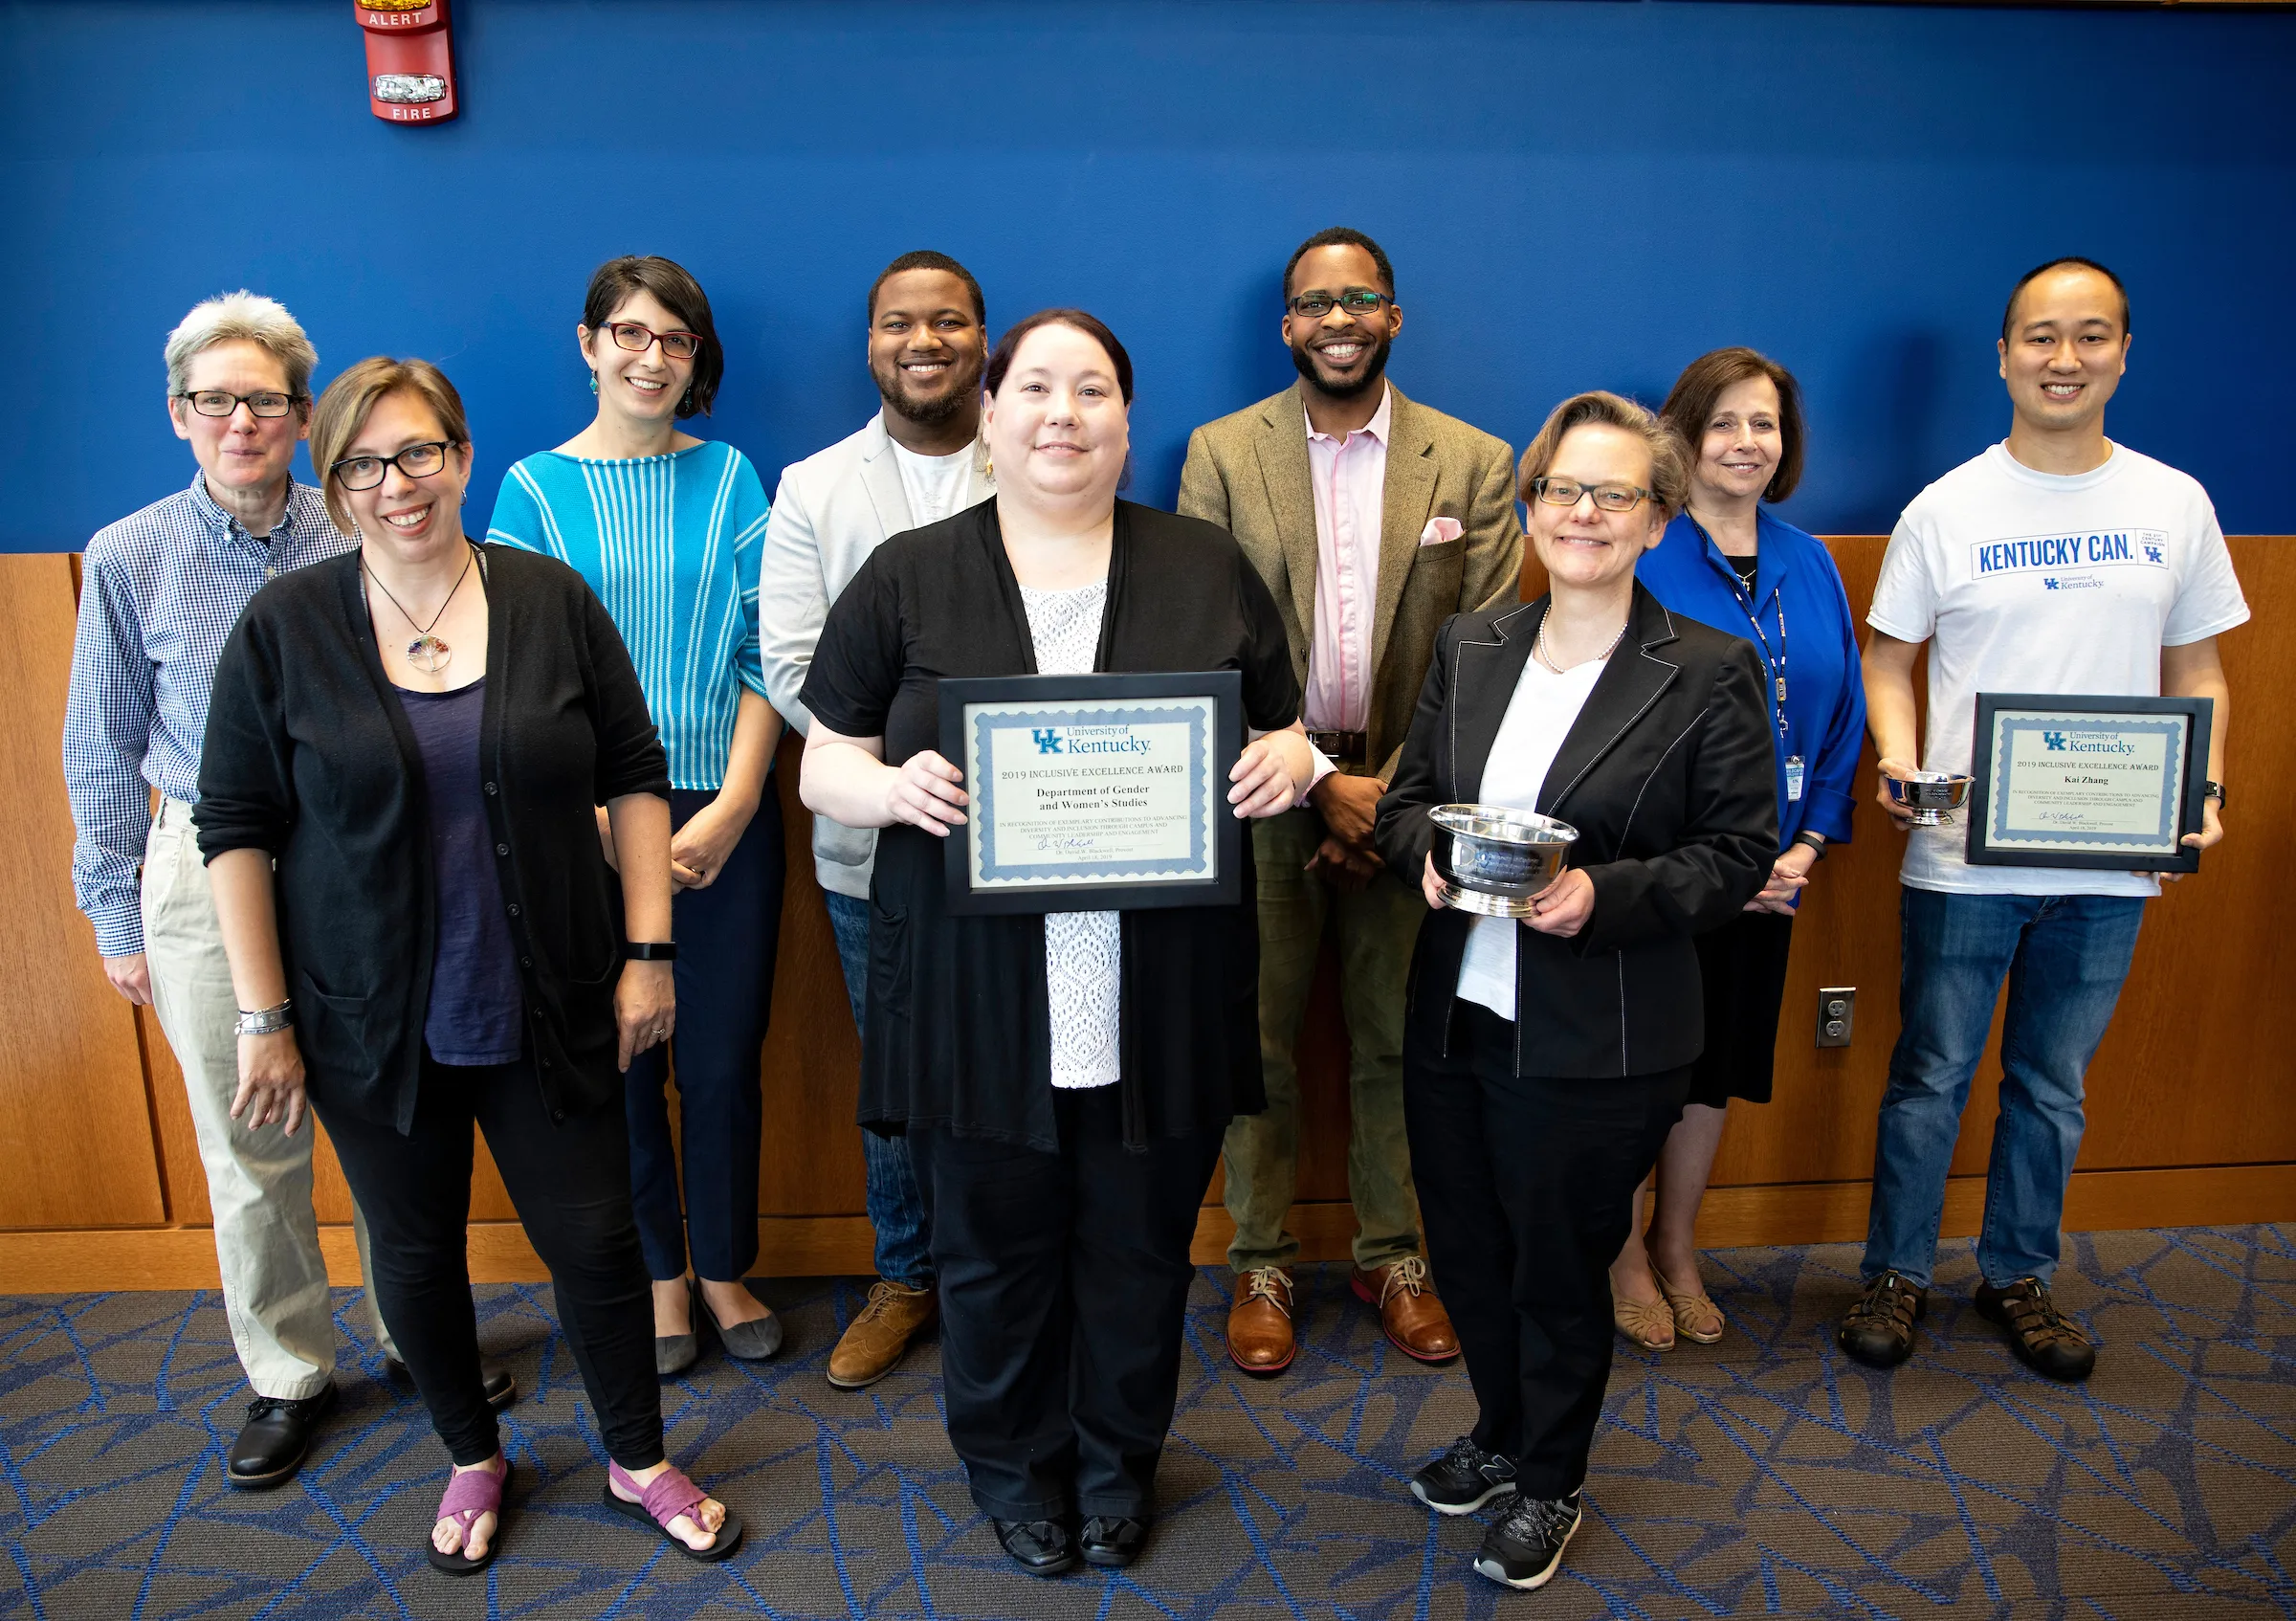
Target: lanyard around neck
{"type": "Point", "coordinates": [1775, 659]}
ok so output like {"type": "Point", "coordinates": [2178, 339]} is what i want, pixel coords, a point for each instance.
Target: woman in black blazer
{"type": "Point", "coordinates": [1545, 1061]}
{"type": "Point", "coordinates": [404, 747]}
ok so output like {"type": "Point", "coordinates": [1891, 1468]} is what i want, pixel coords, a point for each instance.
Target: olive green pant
{"type": "Point", "coordinates": [1378, 926]}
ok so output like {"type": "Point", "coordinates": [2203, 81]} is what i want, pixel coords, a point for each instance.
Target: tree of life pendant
{"type": "Point", "coordinates": [428, 653]}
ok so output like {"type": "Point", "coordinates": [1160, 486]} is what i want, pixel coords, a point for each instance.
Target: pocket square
{"type": "Point", "coordinates": [1440, 530]}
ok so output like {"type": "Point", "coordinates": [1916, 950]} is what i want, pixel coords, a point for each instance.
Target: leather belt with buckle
{"type": "Point", "coordinates": [1343, 748]}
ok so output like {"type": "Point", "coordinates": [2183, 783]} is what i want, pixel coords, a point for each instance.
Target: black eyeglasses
{"type": "Point", "coordinates": [1356, 300]}
{"type": "Point", "coordinates": [222, 402]}
{"type": "Point", "coordinates": [416, 461]}
{"type": "Point", "coordinates": [1569, 492]}
{"type": "Point", "coordinates": [677, 345]}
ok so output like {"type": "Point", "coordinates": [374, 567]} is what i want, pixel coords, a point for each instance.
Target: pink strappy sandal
{"type": "Point", "coordinates": [670, 1495]}
{"type": "Point", "coordinates": [470, 1494]}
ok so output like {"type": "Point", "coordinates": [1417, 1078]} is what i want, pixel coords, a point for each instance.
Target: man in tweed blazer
{"type": "Point", "coordinates": [1372, 519]}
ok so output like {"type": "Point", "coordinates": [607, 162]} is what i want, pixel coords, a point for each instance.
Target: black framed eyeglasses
{"type": "Point", "coordinates": [1356, 300]}
{"type": "Point", "coordinates": [416, 461]}
{"type": "Point", "coordinates": [637, 339]}
{"type": "Point", "coordinates": [222, 402]}
{"type": "Point", "coordinates": [1569, 492]}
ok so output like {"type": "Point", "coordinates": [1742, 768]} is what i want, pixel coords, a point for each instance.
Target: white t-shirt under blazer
{"type": "Point", "coordinates": [2034, 582]}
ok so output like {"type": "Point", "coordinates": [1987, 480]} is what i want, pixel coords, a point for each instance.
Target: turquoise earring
{"type": "Point", "coordinates": [593, 382]}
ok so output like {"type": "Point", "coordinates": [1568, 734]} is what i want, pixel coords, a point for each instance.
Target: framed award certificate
{"type": "Point", "coordinates": [2087, 782]}
{"type": "Point", "coordinates": [1092, 793]}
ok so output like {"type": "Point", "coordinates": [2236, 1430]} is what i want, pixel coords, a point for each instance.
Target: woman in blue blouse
{"type": "Point", "coordinates": [1729, 563]}
{"type": "Point", "coordinates": [667, 529]}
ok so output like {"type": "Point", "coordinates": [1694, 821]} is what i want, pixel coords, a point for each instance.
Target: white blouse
{"type": "Point", "coordinates": [1539, 716]}
{"type": "Point", "coordinates": [1083, 950]}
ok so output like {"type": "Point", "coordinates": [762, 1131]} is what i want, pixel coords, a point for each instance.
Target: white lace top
{"type": "Point", "coordinates": [1082, 949]}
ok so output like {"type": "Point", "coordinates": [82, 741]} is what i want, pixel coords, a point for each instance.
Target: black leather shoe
{"type": "Point", "coordinates": [1042, 1547]}
{"type": "Point", "coordinates": [501, 1386]}
{"type": "Point", "coordinates": [2043, 1339]}
{"type": "Point", "coordinates": [272, 1444]}
{"type": "Point", "coordinates": [1878, 1330]}
{"type": "Point", "coordinates": [1111, 1539]}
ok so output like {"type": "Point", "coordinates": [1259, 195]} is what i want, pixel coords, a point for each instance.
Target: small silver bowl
{"type": "Point", "coordinates": [1492, 860]}
{"type": "Point", "coordinates": [1933, 796]}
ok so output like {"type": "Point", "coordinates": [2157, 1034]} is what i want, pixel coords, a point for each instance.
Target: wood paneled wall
{"type": "Point", "coordinates": [2192, 1110]}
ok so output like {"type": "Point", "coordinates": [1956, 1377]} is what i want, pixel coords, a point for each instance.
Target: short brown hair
{"type": "Point", "coordinates": [350, 400]}
{"type": "Point", "coordinates": [1000, 360]}
{"type": "Point", "coordinates": [1669, 466]}
{"type": "Point", "coordinates": [616, 282]}
{"type": "Point", "coordinates": [1691, 401]}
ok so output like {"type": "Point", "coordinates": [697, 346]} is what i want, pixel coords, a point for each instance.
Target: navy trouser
{"type": "Point", "coordinates": [726, 935]}
{"type": "Point", "coordinates": [896, 1209]}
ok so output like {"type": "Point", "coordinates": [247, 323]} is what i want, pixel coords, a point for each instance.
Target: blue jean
{"type": "Point", "coordinates": [2065, 958]}
{"type": "Point", "coordinates": [896, 1209]}
{"type": "Point", "coordinates": [726, 936]}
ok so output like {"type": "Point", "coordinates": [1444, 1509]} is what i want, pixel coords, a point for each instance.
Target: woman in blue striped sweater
{"type": "Point", "coordinates": [667, 528]}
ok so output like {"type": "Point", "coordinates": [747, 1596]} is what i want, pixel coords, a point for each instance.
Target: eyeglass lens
{"type": "Point", "coordinates": [215, 401]}
{"type": "Point", "coordinates": [677, 345]}
{"type": "Point", "coordinates": [1356, 300]}
{"type": "Point", "coordinates": [1610, 497]}
{"type": "Point", "coordinates": [365, 472]}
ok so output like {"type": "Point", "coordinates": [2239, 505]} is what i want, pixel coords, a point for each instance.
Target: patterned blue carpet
{"type": "Point", "coordinates": [1765, 1475]}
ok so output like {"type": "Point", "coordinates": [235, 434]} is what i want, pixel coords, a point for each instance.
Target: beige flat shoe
{"type": "Point", "coordinates": [1648, 1323]}
{"type": "Point", "coordinates": [1695, 1314]}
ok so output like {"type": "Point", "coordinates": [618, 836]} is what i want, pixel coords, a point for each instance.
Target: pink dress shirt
{"type": "Point", "coordinates": [1350, 479]}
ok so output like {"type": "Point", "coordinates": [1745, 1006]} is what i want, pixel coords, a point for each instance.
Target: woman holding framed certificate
{"type": "Point", "coordinates": [1064, 1078]}
{"type": "Point", "coordinates": [1548, 1043]}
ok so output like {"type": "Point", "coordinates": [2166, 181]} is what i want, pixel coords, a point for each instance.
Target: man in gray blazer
{"type": "Point", "coordinates": [1372, 519]}
{"type": "Point", "coordinates": [917, 461]}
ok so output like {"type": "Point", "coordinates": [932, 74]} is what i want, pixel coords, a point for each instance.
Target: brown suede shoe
{"type": "Point", "coordinates": [1259, 1325]}
{"type": "Point", "coordinates": [1413, 1317]}
{"type": "Point", "coordinates": [878, 1338]}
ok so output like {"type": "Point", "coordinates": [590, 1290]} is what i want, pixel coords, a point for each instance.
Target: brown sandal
{"type": "Point", "coordinates": [1691, 1307]}
{"type": "Point", "coordinates": [1648, 1323]}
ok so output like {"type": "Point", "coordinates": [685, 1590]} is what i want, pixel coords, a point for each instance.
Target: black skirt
{"type": "Point", "coordinates": [1743, 963]}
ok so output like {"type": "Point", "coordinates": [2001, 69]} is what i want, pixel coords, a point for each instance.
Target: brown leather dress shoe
{"type": "Point", "coordinates": [878, 1337]}
{"type": "Point", "coordinates": [1413, 1317]}
{"type": "Point", "coordinates": [1259, 1325]}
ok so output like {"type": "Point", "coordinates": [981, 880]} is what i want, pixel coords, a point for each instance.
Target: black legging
{"type": "Point", "coordinates": [569, 1182]}
{"type": "Point", "coordinates": [1526, 1185]}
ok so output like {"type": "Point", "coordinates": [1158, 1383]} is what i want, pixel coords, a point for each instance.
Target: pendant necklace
{"type": "Point", "coordinates": [427, 652]}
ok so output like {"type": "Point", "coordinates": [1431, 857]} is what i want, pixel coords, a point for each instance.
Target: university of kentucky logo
{"type": "Point", "coordinates": [1048, 739]}
{"type": "Point", "coordinates": [2083, 742]}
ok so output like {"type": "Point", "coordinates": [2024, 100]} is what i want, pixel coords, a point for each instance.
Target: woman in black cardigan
{"type": "Point", "coordinates": [1064, 1079]}
{"type": "Point", "coordinates": [416, 734]}
{"type": "Point", "coordinates": [1545, 1060]}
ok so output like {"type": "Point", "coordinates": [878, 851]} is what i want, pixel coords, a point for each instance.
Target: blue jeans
{"type": "Point", "coordinates": [2065, 958]}
{"type": "Point", "coordinates": [895, 1208]}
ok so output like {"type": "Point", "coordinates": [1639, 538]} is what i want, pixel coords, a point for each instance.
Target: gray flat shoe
{"type": "Point", "coordinates": [753, 1341]}
{"type": "Point", "coordinates": [675, 1353]}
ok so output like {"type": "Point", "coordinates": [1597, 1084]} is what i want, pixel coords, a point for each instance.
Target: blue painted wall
{"type": "Point", "coordinates": [1575, 195]}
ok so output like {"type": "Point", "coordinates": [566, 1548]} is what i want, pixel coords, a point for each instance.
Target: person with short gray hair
{"type": "Point", "coordinates": [160, 590]}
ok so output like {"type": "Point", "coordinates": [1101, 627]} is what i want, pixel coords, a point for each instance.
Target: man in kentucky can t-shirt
{"type": "Point", "coordinates": [2056, 562]}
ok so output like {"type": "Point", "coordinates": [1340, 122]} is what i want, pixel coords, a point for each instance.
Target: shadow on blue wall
{"type": "Point", "coordinates": [1574, 195]}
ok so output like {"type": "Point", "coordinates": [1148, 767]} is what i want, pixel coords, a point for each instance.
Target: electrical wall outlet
{"type": "Point", "coordinates": [1837, 1013]}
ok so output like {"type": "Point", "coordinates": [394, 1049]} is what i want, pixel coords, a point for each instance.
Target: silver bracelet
{"type": "Point", "coordinates": [265, 1021]}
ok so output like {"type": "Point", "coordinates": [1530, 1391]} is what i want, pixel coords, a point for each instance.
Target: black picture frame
{"type": "Point", "coordinates": [1225, 888]}
{"type": "Point", "coordinates": [2200, 715]}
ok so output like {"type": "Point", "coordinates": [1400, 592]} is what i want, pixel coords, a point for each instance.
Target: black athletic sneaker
{"type": "Point", "coordinates": [1524, 1548]}
{"type": "Point", "coordinates": [2038, 1332]}
{"type": "Point", "coordinates": [1463, 1480]}
{"type": "Point", "coordinates": [1878, 1329]}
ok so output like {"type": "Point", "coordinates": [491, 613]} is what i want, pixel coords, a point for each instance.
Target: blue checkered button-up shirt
{"type": "Point", "coordinates": [158, 593]}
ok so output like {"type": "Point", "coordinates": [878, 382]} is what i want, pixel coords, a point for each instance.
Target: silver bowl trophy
{"type": "Point", "coordinates": [1492, 860]}
{"type": "Point", "coordinates": [1934, 795]}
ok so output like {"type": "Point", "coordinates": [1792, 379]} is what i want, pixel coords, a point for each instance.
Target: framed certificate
{"type": "Point", "coordinates": [2087, 782]}
{"type": "Point", "coordinates": [1092, 793]}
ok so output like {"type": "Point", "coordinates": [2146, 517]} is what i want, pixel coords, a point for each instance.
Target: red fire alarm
{"type": "Point", "coordinates": [410, 60]}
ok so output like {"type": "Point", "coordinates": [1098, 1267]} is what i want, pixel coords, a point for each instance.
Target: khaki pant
{"type": "Point", "coordinates": [1378, 925]}
{"type": "Point", "coordinates": [275, 1281]}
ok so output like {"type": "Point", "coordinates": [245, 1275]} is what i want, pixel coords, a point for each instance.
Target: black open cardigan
{"type": "Point", "coordinates": [958, 1033]}
{"type": "Point", "coordinates": [309, 757]}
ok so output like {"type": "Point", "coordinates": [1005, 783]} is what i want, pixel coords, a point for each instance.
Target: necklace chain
{"type": "Point", "coordinates": [1538, 645]}
{"type": "Point", "coordinates": [427, 652]}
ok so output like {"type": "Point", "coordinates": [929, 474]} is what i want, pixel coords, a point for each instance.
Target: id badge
{"type": "Point", "coordinates": [1793, 777]}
